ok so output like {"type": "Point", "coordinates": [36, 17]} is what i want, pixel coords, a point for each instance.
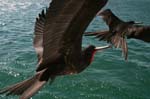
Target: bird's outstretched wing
{"type": "Point", "coordinates": [139, 32]}
{"type": "Point", "coordinates": [115, 35]}
{"type": "Point", "coordinates": [63, 31]}
{"type": "Point", "coordinates": [101, 35]}
{"type": "Point", "coordinates": [120, 30]}
{"type": "Point", "coordinates": [38, 35]}
{"type": "Point", "coordinates": [56, 6]}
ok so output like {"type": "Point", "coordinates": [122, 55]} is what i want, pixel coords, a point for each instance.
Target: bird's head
{"type": "Point", "coordinates": [105, 14]}
{"type": "Point", "coordinates": [110, 18]}
{"type": "Point", "coordinates": [88, 55]}
{"type": "Point", "coordinates": [90, 51]}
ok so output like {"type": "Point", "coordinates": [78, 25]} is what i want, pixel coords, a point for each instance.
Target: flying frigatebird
{"type": "Point", "coordinates": [119, 30]}
{"type": "Point", "coordinates": [57, 41]}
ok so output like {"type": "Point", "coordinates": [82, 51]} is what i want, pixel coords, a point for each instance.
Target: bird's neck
{"type": "Point", "coordinates": [87, 59]}
{"type": "Point", "coordinates": [92, 56]}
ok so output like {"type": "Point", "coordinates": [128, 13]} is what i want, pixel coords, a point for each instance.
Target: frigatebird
{"type": "Point", "coordinates": [57, 42]}
{"type": "Point", "coordinates": [119, 30]}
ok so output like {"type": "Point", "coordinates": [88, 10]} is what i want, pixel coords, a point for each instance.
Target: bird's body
{"type": "Point", "coordinates": [58, 42]}
{"type": "Point", "coordinates": [119, 30]}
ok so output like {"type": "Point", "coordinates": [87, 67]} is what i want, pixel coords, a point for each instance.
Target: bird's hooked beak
{"type": "Point", "coordinates": [100, 13]}
{"type": "Point", "coordinates": [102, 47]}
{"type": "Point", "coordinates": [138, 23]}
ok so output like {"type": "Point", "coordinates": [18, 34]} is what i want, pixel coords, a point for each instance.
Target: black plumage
{"type": "Point", "coordinates": [57, 42]}
{"type": "Point", "coordinates": [119, 30]}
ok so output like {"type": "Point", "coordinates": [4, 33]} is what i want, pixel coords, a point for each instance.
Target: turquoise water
{"type": "Point", "coordinates": [108, 77]}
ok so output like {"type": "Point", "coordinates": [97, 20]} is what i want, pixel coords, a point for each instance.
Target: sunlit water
{"type": "Point", "coordinates": [108, 77]}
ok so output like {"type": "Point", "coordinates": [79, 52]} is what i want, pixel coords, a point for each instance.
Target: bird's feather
{"type": "Point", "coordinates": [117, 40]}
{"type": "Point", "coordinates": [26, 88]}
{"type": "Point", "coordinates": [63, 34]}
{"type": "Point", "coordinates": [38, 35]}
{"type": "Point", "coordinates": [119, 30]}
{"type": "Point", "coordinates": [140, 32]}
{"type": "Point", "coordinates": [58, 34]}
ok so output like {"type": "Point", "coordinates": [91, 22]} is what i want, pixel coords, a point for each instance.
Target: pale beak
{"type": "Point", "coordinates": [138, 23]}
{"type": "Point", "coordinates": [100, 13]}
{"type": "Point", "coordinates": [103, 47]}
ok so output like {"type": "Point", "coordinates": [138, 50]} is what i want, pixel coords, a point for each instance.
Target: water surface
{"type": "Point", "coordinates": [108, 77]}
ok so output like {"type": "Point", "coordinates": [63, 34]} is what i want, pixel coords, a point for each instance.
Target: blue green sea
{"type": "Point", "coordinates": [108, 77]}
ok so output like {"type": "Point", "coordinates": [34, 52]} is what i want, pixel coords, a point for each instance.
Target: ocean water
{"type": "Point", "coordinates": [108, 77]}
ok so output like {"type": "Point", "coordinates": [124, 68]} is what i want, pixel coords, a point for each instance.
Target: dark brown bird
{"type": "Point", "coordinates": [57, 41]}
{"type": "Point", "coordinates": [119, 30]}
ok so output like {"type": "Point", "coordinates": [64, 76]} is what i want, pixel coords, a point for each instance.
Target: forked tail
{"type": "Point", "coordinates": [26, 88]}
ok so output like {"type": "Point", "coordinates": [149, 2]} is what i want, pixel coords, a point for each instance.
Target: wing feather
{"type": "Point", "coordinates": [63, 33]}
{"type": "Point", "coordinates": [120, 30]}
{"type": "Point", "coordinates": [116, 39]}
{"type": "Point", "coordinates": [139, 32]}
{"type": "Point", "coordinates": [38, 35]}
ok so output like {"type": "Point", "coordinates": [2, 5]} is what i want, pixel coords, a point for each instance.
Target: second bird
{"type": "Point", "coordinates": [119, 30]}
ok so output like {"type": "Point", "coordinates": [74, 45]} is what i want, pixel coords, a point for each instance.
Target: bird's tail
{"type": "Point", "coordinates": [26, 88]}
{"type": "Point", "coordinates": [116, 39]}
